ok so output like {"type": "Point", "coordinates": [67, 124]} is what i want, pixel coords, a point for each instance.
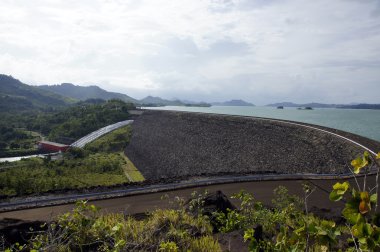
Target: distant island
{"type": "Point", "coordinates": [233, 103]}
{"type": "Point", "coordinates": [15, 95]}
{"type": "Point", "coordinates": [323, 105]}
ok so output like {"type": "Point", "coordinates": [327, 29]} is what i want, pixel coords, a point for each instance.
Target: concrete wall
{"type": "Point", "coordinates": [169, 144]}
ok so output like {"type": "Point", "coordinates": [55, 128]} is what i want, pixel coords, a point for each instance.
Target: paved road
{"type": "Point", "coordinates": [79, 143]}
{"type": "Point", "coordinates": [100, 132]}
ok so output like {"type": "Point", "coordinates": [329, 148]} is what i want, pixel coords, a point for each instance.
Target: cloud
{"type": "Point", "coordinates": [262, 51]}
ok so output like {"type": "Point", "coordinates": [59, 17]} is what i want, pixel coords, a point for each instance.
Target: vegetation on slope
{"type": "Point", "coordinates": [112, 142]}
{"type": "Point", "coordinates": [65, 125]}
{"type": "Point", "coordinates": [116, 141]}
{"type": "Point", "coordinates": [78, 121]}
{"type": "Point", "coordinates": [287, 226]}
{"type": "Point", "coordinates": [85, 229]}
{"type": "Point", "coordinates": [37, 175]}
{"type": "Point", "coordinates": [101, 163]}
{"type": "Point", "coordinates": [17, 141]}
{"type": "Point", "coordinates": [25, 108]}
{"type": "Point", "coordinates": [16, 96]}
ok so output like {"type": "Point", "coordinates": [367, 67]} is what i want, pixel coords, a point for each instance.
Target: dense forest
{"type": "Point", "coordinates": [16, 96]}
{"type": "Point", "coordinates": [30, 114]}
{"type": "Point", "coordinates": [101, 163]}
{"type": "Point", "coordinates": [20, 131]}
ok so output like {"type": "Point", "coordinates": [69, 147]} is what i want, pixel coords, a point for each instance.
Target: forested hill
{"type": "Point", "coordinates": [233, 103]}
{"type": "Point", "coordinates": [17, 96]}
{"type": "Point", "coordinates": [84, 93]}
{"type": "Point", "coordinates": [151, 100]}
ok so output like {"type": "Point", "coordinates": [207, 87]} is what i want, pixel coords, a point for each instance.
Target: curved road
{"type": "Point", "coordinates": [98, 133]}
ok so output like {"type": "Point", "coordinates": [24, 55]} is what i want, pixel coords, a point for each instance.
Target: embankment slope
{"type": "Point", "coordinates": [171, 144]}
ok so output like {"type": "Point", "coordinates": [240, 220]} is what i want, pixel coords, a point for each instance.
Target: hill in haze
{"type": "Point", "coordinates": [85, 93]}
{"type": "Point", "coordinates": [297, 105]}
{"type": "Point", "coordinates": [323, 105]}
{"type": "Point", "coordinates": [158, 101]}
{"type": "Point", "coordinates": [16, 96]}
{"type": "Point", "coordinates": [233, 103]}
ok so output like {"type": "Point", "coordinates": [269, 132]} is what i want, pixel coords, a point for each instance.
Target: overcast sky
{"type": "Point", "coordinates": [262, 51]}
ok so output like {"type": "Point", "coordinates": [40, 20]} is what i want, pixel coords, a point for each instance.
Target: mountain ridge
{"type": "Point", "coordinates": [86, 92]}
{"type": "Point", "coordinates": [234, 102]}
{"type": "Point", "coordinates": [16, 95]}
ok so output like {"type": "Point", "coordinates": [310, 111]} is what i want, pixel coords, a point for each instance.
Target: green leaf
{"type": "Point", "coordinates": [93, 208]}
{"type": "Point", "coordinates": [334, 196]}
{"type": "Point", "coordinates": [363, 240]}
{"type": "Point", "coordinates": [339, 189]}
{"type": "Point", "coordinates": [120, 243]}
{"type": "Point", "coordinates": [362, 230]}
{"type": "Point", "coordinates": [351, 213]}
{"type": "Point", "coordinates": [367, 158]}
{"type": "Point", "coordinates": [322, 232]}
{"type": "Point", "coordinates": [373, 198]}
{"type": "Point", "coordinates": [358, 164]}
{"type": "Point", "coordinates": [300, 230]}
{"type": "Point", "coordinates": [378, 156]}
{"type": "Point", "coordinates": [248, 234]}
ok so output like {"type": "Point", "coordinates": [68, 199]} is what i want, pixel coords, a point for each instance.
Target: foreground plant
{"type": "Point", "coordinates": [360, 211]}
{"type": "Point", "coordinates": [85, 229]}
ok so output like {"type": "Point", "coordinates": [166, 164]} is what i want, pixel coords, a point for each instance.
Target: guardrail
{"type": "Point", "coordinates": [154, 188]}
{"type": "Point", "coordinates": [98, 133]}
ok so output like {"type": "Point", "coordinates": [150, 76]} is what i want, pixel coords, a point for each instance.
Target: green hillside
{"type": "Point", "coordinates": [17, 96]}
{"type": "Point", "coordinates": [157, 101]}
{"type": "Point", "coordinates": [84, 93]}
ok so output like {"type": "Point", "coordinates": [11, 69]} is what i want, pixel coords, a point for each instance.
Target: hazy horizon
{"type": "Point", "coordinates": [259, 51]}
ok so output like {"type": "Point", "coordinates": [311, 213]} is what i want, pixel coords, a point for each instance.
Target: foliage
{"type": "Point", "coordinates": [164, 230]}
{"type": "Point", "coordinates": [288, 226]}
{"type": "Point", "coordinates": [16, 96]}
{"type": "Point", "coordinates": [296, 231]}
{"type": "Point", "coordinates": [283, 228]}
{"type": "Point", "coordinates": [115, 141]}
{"type": "Point", "coordinates": [361, 203]}
{"type": "Point", "coordinates": [78, 168]}
{"type": "Point", "coordinates": [283, 199]}
{"type": "Point", "coordinates": [64, 125]}
{"type": "Point", "coordinates": [80, 120]}
{"type": "Point", "coordinates": [15, 140]}
{"type": "Point", "coordinates": [36, 175]}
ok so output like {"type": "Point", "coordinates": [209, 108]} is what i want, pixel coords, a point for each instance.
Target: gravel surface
{"type": "Point", "coordinates": [170, 144]}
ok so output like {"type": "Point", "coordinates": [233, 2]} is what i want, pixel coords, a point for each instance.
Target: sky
{"type": "Point", "coordinates": [261, 51]}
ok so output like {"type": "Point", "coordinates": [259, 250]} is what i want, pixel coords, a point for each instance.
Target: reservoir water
{"type": "Point", "coordinates": [364, 122]}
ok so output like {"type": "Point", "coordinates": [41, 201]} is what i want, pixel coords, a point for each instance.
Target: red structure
{"type": "Point", "coordinates": [51, 146]}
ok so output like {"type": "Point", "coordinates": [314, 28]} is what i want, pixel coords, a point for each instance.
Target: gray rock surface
{"type": "Point", "coordinates": [168, 144]}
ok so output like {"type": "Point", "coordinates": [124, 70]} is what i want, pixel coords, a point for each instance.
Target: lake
{"type": "Point", "coordinates": [364, 122]}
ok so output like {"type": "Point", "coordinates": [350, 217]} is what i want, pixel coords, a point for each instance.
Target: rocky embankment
{"type": "Point", "coordinates": [168, 144]}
